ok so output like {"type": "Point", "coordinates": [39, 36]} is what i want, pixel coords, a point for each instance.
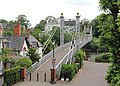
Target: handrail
{"type": "Point", "coordinates": [73, 50]}
{"type": "Point", "coordinates": [45, 58]}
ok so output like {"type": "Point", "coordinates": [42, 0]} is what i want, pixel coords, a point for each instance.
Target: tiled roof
{"type": "Point", "coordinates": [33, 41]}
{"type": "Point", "coordinates": [16, 42]}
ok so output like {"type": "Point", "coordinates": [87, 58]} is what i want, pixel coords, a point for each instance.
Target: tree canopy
{"type": "Point", "coordinates": [110, 36]}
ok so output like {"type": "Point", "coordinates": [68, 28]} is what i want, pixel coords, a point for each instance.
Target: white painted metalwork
{"type": "Point", "coordinates": [69, 55]}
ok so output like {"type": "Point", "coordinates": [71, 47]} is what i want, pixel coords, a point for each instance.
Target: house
{"type": "Point", "coordinates": [32, 42]}
{"type": "Point", "coordinates": [16, 43]}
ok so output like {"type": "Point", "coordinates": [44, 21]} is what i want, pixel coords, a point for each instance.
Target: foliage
{"type": "Point", "coordinates": [11, 76]}
{"type": "Point", "coordinates": [112, 73]}
{"type": "Point", "coordinates": [41, 25]}
{"type": "Point", "coordinates": [103, 58]}
{"type": "Point", "coordinates": [93, 45]}
{"type": "Point", "coordinates": [36, 33]}
{"type": "Point", "coordinates": [76, 67]}
{"type": "Point", "coordinates": [79, 56]}
{"type": "Point", "coordinates": [12, 23]}
{"type": "Point", "coordinates": [84, 23]}
{"type": "Point", "coordinates": [5, 56]}
{"type": "Point", "coordinates": [33, 55]}
{"type": "Point", "coordinates": [67, 37]}
{"type": "Point", "coordinates": [3, 21]}
{"type": "Point", "coordinates": [110, 36]}
{"type": "Point", "coordinates": [56, 36]}
{"type": "Point", "coordinates": [23, 20]}
{"type": "Point", "coordinates": [23, 62]}
{"type": "Point", "coordinates": [50, 19]}
{"type": "Point", "coordinates": [95, 29]}
{"type": "Point", "coordinates": [67, 71]}
{"type": "Point", "coordinates": [112, 7]}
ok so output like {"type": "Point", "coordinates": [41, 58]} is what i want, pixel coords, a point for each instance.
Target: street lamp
{"type": "Point", "coordinates": [53, 64]}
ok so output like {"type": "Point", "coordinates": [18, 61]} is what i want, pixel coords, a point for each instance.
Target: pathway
{"type": "Point", "coordinates": [44, 71]}
{"type": "Point", "coordinates": [92, 74]}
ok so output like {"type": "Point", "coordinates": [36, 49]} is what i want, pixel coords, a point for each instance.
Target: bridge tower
{"type": "Point", "coordinates": [61, 29]}
{"type": "Point", "coordinates": [78, 27]}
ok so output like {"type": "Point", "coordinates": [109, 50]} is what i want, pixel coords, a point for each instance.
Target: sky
{"type": "Point", "coordinates": [37, 10]}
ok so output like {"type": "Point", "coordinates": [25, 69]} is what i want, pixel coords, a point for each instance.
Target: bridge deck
{"type": "Point", "coordinates": [44, 70]}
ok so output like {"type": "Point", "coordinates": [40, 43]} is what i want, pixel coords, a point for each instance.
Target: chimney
{"type": "Point", "coordinates": [17, 29]}
{"type": "Point", "coordinates": [28, 33]}
{"type": "Point", "coordinates": [1, 29]}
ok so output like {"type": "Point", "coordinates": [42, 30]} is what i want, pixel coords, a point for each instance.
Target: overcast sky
{"type": "Point", "coordinates": [36, 10]}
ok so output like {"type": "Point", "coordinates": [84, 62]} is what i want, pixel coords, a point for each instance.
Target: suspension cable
{"type": "Point", "coordinates": [49, 39]}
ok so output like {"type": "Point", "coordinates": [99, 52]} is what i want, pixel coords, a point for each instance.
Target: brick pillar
{"type": "Point", "coordinates": [53, 76]}
{"type": "Point", "coordinates": [23, 73]}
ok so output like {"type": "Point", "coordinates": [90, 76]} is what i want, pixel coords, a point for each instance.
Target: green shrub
{"type": "Point", "coordinates": [11, 76]}
{"type": "Point", "coordinates": [105, 58]}
{"type": "Point", "coordinates": [113, 74]}
{"type": "Point", "coordinates": [79, 56]}
{"type": "Point", "coordinates": [76, 67]}
{"type": "Point", "coordinates": [67, 71]}
{"type": "Point", "coordinates": [23, 62]}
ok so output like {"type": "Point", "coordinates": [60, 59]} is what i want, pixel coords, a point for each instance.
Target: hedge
{"type": "Point", "coordinates": [105, 58]}
{"type": "Point", "coordinates": [67, 71]}
{"type": "Point", "coordinates": [11, 76]}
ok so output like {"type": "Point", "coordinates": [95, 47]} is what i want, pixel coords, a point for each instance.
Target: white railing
{"type": "Point", "coordinates": [71, 52]}
{"type": "Point", "coordinates": [65, 58]}
{"type": "Point", "coordinates": [45, 58]}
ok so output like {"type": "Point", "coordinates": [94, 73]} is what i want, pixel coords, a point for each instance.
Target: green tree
{"type": "Point", "coordinates": [111, 36]}
{"type": "Point", "coordinates": [41, 25]}
{"type": "Point", "coordinates": [23, 62]}
{"type": "Point", "coordinates": [36, 33]}
{"type": "Point", "coordinates": [56, 36]}
{"type": "Point", "coordinates": [33, 55]}
{"type": "Point", "coordinates": [23, 21]}
{"type": "Point", "coordinates": [67, 37]}
{"type": "Point", "coordinates": [12, 23]}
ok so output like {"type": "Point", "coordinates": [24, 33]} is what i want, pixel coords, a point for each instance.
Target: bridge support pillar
{"type": "Point", "coordinates": [61, 29]}
{"type": "Point", "coordinates": [53, 76]}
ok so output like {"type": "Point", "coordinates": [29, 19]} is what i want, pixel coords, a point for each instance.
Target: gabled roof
{"type": "Point", "coordinates": [33, 41]}
{"type": "Point", "coordinates": [16, 42]}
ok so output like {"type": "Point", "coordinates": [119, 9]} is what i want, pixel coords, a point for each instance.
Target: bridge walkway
{"type": "Point", "coordinates": [44, 70]}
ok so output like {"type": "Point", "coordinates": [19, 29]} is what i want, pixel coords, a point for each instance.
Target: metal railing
{"type": "Point", "coordinates": [69, 55]}
{"type": "Point", "coordinates": [71, 52]}
{"type": "Point", "coordinates": [45, 58]}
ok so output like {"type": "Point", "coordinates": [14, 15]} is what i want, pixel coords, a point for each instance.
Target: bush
{"type": "Point", "coordinates": [76, 67]}
{"type": "Point", "coordinates": [79, 56]}
{"type": "Point", "coordinates": [23, 62]}
{"type": "Point", "coordinates": [113, 75]}
{"type": "Point", "coordinates": [105, 58]}
{"type": "Point", "coordinates": [11, 76]}
{"type": "Point", "coordinates": [67, 71]}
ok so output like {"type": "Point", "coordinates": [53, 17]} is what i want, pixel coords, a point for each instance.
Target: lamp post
{"type": "Point", "coordinates": [53, 59]}
{"type": "Point", "coordinates": [53, 65]}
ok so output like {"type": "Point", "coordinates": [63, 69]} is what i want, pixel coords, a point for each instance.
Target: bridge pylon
{"type": "Point", "coordinates": [61, 29]}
